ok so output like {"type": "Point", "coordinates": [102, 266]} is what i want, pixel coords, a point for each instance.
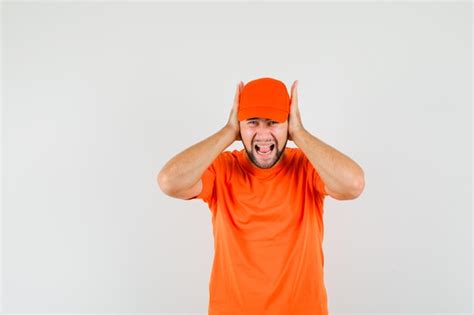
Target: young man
{"type": "Point", "coordinates": [266, 202]}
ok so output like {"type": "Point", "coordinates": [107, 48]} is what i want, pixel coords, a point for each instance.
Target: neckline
{"type": "Point", "coordinates": [263, 172]}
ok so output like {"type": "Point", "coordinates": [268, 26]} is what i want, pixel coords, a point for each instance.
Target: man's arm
{"type": "Point", "coordinates": [343, 178]}
{"type": "Point", "coordinates": [181, 176]}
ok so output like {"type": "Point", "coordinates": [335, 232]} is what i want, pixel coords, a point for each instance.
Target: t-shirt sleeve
{"type": "Point", "coordinates": [218, 170]}
{"type": "Point", "coordinates": [319, 184]}
{"type": "Point", "coordinates": [208, 180]}
{"type": "Point", "coordinates": [315, 179]}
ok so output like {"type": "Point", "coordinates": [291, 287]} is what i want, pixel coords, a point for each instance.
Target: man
{"type": "Point", "coordinates": [266, 202]}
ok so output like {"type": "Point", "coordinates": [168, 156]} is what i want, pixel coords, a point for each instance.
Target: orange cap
{"type": "Point", "coordinates": [264, 98]}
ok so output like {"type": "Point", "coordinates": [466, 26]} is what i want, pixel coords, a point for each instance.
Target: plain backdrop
{"type": "Point", "coordinates": [98, 96]}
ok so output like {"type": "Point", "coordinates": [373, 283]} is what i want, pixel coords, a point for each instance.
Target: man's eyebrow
{"type": "Point", "coordinates": [257, 118]}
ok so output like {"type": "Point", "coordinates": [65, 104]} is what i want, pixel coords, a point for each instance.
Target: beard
{"type": "Point", "coordinates": [258, 161]}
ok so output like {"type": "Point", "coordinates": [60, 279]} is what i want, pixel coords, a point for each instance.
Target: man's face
{"type": "Point", "coordinates": [264, 140]}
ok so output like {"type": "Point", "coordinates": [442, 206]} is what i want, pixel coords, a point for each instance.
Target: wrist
{"type": "Point", "coordinates": [297, 131]}
{"type": "Point", "coordinates": [231, 129]}
{"type": "Point", "coordinates": [230, 132]}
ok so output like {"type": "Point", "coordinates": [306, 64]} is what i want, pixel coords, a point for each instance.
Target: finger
{"type": "Point", "coordinates": [236, 95]}
{"type": "Point", "coordinates": [240, 88]}
{"type": "Point", "coordinates": [294, 95]}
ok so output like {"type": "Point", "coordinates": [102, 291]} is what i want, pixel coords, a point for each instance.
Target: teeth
{"type": "Point", "coordinates": [264, 147]}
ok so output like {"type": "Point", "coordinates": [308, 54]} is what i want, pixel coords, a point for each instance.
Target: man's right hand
{"type": "Point", "coordinates": [233, 123]}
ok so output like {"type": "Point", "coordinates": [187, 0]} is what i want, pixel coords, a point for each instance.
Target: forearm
{"type": "Point", "coordinates": [186, 168]}
{"type": "Point", "coordinates": [339, 173]}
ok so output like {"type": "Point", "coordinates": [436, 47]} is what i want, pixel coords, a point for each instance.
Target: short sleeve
{"type": "Point", "coordinates": [208, 180]}
{"type": "Point", "coordinates": [315, 179]}
{"type": "Point", "coordinates": [318, 182]}
{"type": "Point", "coordinates": [217, 172]}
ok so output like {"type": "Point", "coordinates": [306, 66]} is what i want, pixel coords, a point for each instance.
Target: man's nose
{"type": "Point", "coordinates": [263, 133]}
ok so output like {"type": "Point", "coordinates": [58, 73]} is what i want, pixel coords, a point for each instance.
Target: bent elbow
{"type": "Point", "coordinates": [163, 183]}
{"type": "Point", "coordinates": [359, 186]}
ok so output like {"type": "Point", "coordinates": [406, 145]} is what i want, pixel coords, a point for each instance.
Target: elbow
{"type": "Point", "coordinates": [163, 183]}
{"type": "Point", "coordinates": [358, 187]}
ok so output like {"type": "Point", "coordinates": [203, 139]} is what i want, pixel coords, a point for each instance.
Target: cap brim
{"type": "Point", "coordinates": [263, 112]}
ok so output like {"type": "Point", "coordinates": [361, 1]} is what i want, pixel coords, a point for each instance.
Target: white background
{"type": "Point", "coordinates": [97, 97]}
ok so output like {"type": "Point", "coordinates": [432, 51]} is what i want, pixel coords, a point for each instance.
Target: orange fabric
{"type": "Point", "coordinates": [268, 233]}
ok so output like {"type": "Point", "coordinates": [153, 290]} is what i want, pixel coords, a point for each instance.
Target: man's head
{"type": "Point", "coordinates": [264, 140]}
{"type": "Point", "coordinates": [264, 106]}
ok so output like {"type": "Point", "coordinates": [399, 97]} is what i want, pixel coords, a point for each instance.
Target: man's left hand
{"type": "Point", "coordinates": [294, 119]}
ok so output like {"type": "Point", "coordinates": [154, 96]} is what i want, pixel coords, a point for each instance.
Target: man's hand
{"type": "Point", "coordinates": [233, 123]}
{"type": "Point", "coordinates": [294, 119]}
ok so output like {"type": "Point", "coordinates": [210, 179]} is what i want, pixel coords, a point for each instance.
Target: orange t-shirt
{"type": "Point", "coordinates": [268, 233]}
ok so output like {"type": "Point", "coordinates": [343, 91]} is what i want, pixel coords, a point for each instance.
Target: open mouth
{"type": "Point", "coordinates": [264, 149]}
